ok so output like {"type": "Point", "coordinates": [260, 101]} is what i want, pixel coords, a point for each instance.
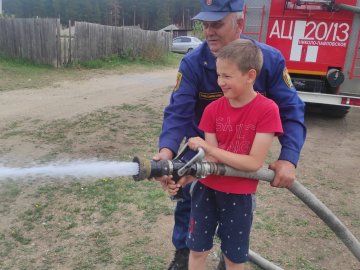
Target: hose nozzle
{"type": "Point", "coordinates": [176, 167]}
{"type": "Point", "coordinates": [152, 168]}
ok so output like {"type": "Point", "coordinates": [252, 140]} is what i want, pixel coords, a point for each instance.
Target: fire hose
{"type": "Point", "coordinates": [199, 168]}
{"type": "Point", "coordinates": [348, 8]}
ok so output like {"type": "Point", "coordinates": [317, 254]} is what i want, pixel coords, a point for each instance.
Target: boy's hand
{"type": "Point", "coordinates": [196, 142]}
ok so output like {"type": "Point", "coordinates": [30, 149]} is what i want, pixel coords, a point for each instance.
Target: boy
{"type": "Point", "coordinates": [239, 128]}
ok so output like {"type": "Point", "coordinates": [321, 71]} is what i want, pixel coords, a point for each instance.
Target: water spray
{"type": "Point", "coordinates": [199, 168]}
{"type": "Point", "coordinates": [90, 169]}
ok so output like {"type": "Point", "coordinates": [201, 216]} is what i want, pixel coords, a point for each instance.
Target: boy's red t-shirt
{"type": "Point", "coordinates": [235, 130]}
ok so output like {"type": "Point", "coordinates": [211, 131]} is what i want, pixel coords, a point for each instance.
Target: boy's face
{"type": "Point", "coordinates": [220, 33]}
{"type": "Point", "coordinates": [233, 82]}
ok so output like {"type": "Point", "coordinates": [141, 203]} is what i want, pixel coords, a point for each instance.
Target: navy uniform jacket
{"type": "Point", "coordinates": [197, 86]}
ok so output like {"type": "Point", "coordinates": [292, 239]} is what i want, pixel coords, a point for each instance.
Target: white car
{"type": "Point", "coordinates": [185, 44]}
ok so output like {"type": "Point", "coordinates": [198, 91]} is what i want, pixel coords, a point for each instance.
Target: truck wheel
{"type": "Point", "coordinates": [334, 111]}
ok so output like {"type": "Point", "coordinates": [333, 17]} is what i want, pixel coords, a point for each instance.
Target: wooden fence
{"type": "Point", "coordinates": [34, 39]}
{"type": "Point", "coordinates": [41, 41]}
{"type": "Point", "coordinates": [93, 41]}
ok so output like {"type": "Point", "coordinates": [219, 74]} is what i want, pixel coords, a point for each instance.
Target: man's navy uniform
{"type": "Point", "coordinates": [197, 86]}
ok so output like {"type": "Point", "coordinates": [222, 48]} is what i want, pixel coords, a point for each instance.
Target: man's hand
{"type": "Point", "coordinates": [164, 154]}
{"type": "Point", "coordinates": [284, 173]}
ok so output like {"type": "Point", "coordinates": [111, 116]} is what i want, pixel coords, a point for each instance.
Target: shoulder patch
{"type": "Point", "coordinates": [178, 81]}
{"type": "Point", "coordinates": [287, 78]}
{"type": "Point", "coordinates": [210, 95]}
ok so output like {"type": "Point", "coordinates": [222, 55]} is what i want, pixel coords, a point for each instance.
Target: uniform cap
{"type": "Point", "coordinates": [216, 10]}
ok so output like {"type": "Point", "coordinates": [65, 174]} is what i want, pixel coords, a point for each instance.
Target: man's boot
{"type": "Point", "coordinates": [181, 260]}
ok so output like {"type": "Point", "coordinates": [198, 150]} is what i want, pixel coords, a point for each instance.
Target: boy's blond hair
{"type": "Point", "coordinates": [244, 53]}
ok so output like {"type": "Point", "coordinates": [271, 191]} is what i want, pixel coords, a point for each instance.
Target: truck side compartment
{"type": "Point", "coordinates": [320, 42]}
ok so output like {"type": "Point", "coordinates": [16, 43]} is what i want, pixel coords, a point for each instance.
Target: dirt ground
{"type": "Point", "coordinates": [285, 231]}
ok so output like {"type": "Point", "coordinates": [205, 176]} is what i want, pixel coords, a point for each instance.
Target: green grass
{"type": "Point", "coordinates": [65, 135]}
{"type": "Point", "coordinates": [110, 194]}
{"type": "Point", "coordinates": [116, 62]}
{"type": "Point", "coordinates": [17, 235]}
{"type": "Point", "coordinates": [137, 203]}
{"type": "Point", "coordinates": [148, 261]}
{"type": "Point", "coordinates": [133, 257]}
{"type": "Point", "coordinates": [22, 64]}
{"type": "Point", "coordinates": [9, 191]}
{"type": "Point", "coordinates": [304, 264]}
{"type": "Point", "coordinates": [21, 73]}
{"type": "Point", "coordinates": [6, 245]}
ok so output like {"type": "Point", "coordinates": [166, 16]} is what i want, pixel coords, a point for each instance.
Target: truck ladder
{"type": "Point", "coordinates": [355, 66]}
{"type": "Point", "coordinates": [253, 22]}
{"type": "Point", "coordinates": [340, 100]}
{"type": "Point", "coordinates": [313, 2]}
{"type": "Point", "coordinates": [308, 4]}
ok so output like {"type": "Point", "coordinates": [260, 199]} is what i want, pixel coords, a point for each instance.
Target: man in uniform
{"type": "Point", "coordinates": [197, 86]}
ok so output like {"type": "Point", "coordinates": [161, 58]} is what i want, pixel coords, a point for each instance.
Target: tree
{"type": "Point", "coordinates": [114, 13]}
{"type": "Point", "coordinates": [149, 14]}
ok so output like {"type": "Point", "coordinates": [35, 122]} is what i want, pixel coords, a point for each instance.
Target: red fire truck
{"type": "Point", "coordinates": [320, 42]}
